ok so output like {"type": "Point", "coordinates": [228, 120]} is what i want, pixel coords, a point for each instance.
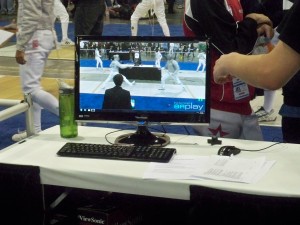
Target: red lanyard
{"type": "Point", "coordinates": [236, 9]}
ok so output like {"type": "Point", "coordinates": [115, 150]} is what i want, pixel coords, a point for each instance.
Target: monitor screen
{"type": "Point", "coordinates": [143, 79]}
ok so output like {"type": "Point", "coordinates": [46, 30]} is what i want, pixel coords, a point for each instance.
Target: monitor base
{"type": "Point", "coordinates": [143, 137]}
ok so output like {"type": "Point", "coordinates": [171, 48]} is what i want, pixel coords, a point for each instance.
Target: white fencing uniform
{"type": "Point", "coordinates": [36, 38]}
{"type": "Point", "coordinates": [114, 70]}
{"type": "Point", "coordinates": [98, 59]}
{"type": "Point", "coordinates": [142, 8]}
{"type": "Point", "coordinates": [60, 12]}
{"type": "Point", "coordinates": [158, 57]}
{"type": "Point", "coordinates": [172, 70]}
{"type": "Point", "coordinates": [202, 62]}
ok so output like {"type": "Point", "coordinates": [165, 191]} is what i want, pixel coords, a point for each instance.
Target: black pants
{"type": "Point", "coordinates": [291, 129]}
{"type": "Point", "coordinates": [88, 18]}
{"type": "Point", "coordinates": [171, 6]}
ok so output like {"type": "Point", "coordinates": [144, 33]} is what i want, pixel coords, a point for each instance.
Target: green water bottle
{"type": "Point", "coordinates": [68, 125]}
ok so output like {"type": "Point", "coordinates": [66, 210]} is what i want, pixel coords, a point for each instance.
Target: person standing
{"type": "Point", "coordinates": [35, 40]}
{"type": "Point", "coordinates": [7, 7]}
{"type": "Point", "coordinates": [171, 6]}
{"type": "Point", "coordinates": [202, 61]}
{"type": "Point", "coordinates": [266, 113]}
{"type": "Point", "coordinates": [284, 72]}
{"type": "Point", "coordinates": [231, 26]}
{"type": "Point", "coordinates": [290, 109]}
{"type": "Point", "coordinates": [98, 59]}
{"type": "Point", "coordinates": [114, 70]}
{"type": "Point", "coordinates": [158, 57]}
{"type": "Point", "coordinates": [142, 8]}
{"type": "Point", "coordinates": [285, 58]}
{"type": "Point", "coordinates": [172, 70]}
{"type": "Point", "coordinates": [89, 15]}
{"type": "Point", "coordinates": [274, 10]}
{"type": "Point", "coordinates": [61, 13]}
{"type": "Point", "coordinates": [180, 4]}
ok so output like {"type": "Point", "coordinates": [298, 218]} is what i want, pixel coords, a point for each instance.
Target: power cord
{"type": "Point", "coordinates": [257, 150]}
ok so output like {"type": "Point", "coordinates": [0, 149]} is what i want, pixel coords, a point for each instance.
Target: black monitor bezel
{"type": "Point", "coordinates": [129, 116]}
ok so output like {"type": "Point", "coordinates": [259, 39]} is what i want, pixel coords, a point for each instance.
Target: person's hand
{"type": "Point", "coordinates": [265, 30]}
{"type": "Point", "coordinates": [220, 73]}
{"type": "Point", "coordinates": [20, 57]}
{"type": "Point", "coordinates": [260, 19]}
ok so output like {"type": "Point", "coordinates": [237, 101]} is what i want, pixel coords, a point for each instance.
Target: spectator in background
{"type": "Point", "coordinates": [158, 57]}
{"type": "Point", "coordinates": [7, 7]}
{"type": "Point", "coordinates": [274, 10]}
{"type": "Point", "coordinates": [265, 113]}
{"type": "Point", "coordinates": [61, 13]}
{"type": "Point", "coordinates": [171, 6]}
{"type": "Point", "coordinates": [35, 40]}
{"type": "Point", "coordinates": [121, 9]}
{"type": "Point", "coordinates": [98, 59]}
{"type": "Point", "coordinates": [180, 4]}
{"type": "Point", "coordinates": [201, 61]}
{"type": "Point", "coordinates": [142, 8]}
{"type": "Point", "coordinates": [284, 72]}
{"type": "Point", "coordinates": [89, 15]}
{"type": "Point", "coordinates": [232, 26]}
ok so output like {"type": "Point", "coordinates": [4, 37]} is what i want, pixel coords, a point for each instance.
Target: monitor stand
{"type": "Point", "coordinates": [143, 137]}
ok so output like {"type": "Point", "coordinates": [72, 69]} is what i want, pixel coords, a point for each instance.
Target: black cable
{"type": "Point", "coordinates": [257, 150]}
{"type": "Point", "coordinates": [106, 135]}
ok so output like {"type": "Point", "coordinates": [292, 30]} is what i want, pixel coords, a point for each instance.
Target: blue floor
{"type": "Point", "coordinates": [118, 30]}
{"type": "Point", "coordinates": [11, 126]}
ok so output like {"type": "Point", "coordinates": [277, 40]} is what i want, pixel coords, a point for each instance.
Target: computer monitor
{"type": "Point", "coordinates": [172, 90]}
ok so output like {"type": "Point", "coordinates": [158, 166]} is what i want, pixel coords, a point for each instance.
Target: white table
{"type": "Point", "coordinates": [126, 176]}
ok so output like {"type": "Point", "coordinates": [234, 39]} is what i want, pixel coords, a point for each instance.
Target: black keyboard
{"type": "Point", "coordinates": [117, 152]}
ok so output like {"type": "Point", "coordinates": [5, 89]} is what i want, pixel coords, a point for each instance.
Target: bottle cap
{"type": "Point", "coordinates": [66, 90]}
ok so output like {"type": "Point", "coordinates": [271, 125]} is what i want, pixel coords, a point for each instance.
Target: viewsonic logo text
{"type": "Point", "coordinates": [91, 219]}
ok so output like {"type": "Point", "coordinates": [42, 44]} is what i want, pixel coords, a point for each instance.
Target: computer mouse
{"type": "Point", "coordinates": [228, 150]}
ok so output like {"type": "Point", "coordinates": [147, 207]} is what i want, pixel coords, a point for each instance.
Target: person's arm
{"type": "Point", "coordinates": [269, 71]}
{"type": "Point", "coordinates": [122, 66]}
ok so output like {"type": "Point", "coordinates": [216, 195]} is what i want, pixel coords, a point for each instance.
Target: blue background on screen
{"type": "Point", "coordinates": [94, 102]}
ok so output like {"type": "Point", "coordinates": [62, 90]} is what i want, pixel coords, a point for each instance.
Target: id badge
{"type": "Point", "coordinates": [240, 89]}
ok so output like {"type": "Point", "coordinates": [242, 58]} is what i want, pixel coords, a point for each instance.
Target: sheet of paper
{"type": "Point", "coordinates": [234, 169]}
{"type": "Point", "coordinates": [265, 168]}
{"type": "Point", "coordinates": [181, 167]}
